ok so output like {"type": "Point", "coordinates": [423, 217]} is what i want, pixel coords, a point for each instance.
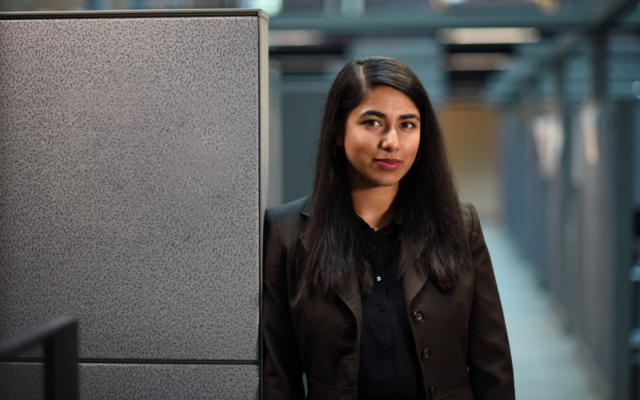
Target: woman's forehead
{"type": "Point", "coordinates": [386, 100]}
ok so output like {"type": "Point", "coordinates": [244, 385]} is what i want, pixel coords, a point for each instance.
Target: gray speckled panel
{"type": "Point", "coordinates": [20, 381]}
{"type": "Point", "coordinates": [129, 184]}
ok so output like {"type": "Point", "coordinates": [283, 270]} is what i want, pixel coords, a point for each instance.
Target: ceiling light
{"type": "Point", "coordinates": [488, 35]}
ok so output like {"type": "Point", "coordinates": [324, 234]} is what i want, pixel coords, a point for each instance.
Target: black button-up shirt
{"type": "Point", "coordinates": [389, 367]}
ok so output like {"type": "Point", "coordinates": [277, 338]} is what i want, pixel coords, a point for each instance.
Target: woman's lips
{"type": "Point", "coordinates": [390, 164]}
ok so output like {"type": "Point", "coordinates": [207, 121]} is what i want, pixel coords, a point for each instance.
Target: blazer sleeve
{"type": "Point", "coordinates": [489, 359]}
{"type": "Point", "coordinates": [282, 368]}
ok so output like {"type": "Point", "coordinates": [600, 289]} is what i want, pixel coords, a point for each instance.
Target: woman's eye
{"type": "Point", "coordinates": [408, 125]}
{"type": "Point", "coordinates": [372, 122]}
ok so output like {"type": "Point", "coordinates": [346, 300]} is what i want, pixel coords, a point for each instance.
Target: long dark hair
{"type": "Point", "coordinates": [432, 238]}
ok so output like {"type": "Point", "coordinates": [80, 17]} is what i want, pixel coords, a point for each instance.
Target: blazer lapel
{"type": "Point", "coordinates": [351, 296]}
{"type": "Point", "coordinates": [413, 282]}
{"type": "Point", "coordinates": [350, 293]}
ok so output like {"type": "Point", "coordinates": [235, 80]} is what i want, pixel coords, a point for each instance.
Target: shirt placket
{"type": "Point", "coordinates": [379, 295]}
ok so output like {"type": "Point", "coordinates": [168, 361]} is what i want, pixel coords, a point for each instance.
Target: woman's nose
{"type": "Point", "coordinates": [390, 140]}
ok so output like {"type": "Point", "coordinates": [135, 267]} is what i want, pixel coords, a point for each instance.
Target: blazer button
{"type": "Point", "coordinates": [432, 392]}
{"type": "Point", "coordinates": [426, 353]}
{"type": "Point", "coordinates": [417, 316]}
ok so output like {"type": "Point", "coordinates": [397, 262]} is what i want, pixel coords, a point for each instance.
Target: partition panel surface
{"type": "Point", "coordinates": [131, 151]}
{"type": "Point", "coordinates": [139, 381]}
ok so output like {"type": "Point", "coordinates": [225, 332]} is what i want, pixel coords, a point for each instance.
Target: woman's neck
{"type": "Point", "coordinates": [376, 205]}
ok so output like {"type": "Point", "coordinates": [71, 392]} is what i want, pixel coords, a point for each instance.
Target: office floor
{"type": "Point", "coordinates": [546, 361]}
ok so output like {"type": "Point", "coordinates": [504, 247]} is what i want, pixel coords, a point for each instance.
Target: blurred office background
{"type": "Point", "coordinates": [539, 101]}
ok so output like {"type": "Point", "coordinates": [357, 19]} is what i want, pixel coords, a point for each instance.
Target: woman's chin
{"type": "Point", "coordinates": [384, 182]}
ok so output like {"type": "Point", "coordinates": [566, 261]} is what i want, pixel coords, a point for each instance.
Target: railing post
{"type": "Point", "coordinates": [61, 364]}
{"type": "Point", "coordinates": [60, 339]}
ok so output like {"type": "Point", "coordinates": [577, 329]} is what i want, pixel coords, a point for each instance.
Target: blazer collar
{"type": "Point", "coordinates": [306, 212]}
{"type": "Point", "coordinates": [306, 207]}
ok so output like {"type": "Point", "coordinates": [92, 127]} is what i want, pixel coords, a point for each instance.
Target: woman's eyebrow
{"type": "Point", "coordinates": [383, 115]}
{"type": "Point", "coordinates": [410, 116]}
{"type": "Point", "coordinates": [374, 113]}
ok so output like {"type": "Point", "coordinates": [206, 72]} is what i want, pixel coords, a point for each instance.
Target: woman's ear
{"type": "Point", "coordinates": [339, 141]}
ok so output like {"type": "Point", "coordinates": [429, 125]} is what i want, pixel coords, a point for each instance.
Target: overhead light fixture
{"type": "Point", "coordinates": [488, 35]}
{"type": "Point", "coordinates": [296, 38]}
{"type": "Point", "coordinates": [478, 61]}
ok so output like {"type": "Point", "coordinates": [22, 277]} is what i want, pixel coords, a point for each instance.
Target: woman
{"type": "Point", "coordinates": [379, 285]}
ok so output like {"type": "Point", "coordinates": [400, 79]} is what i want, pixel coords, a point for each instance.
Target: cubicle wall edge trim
{"type": "Point", "coordinates": [263, 79]}
{"type": "Point", "coordinates": [209, 12]}
{"type": "Point", "coordinates": [135, 361]}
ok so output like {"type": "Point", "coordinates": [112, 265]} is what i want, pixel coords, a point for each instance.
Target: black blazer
{"type": "Point", "coordinates": [460, 338]}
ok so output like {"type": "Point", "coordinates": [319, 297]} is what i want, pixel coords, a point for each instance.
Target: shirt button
{"type": "Point", "coordinates": [389, 390]}
{"type": "Point", "coordinates": [378, 278]}
{"type": "Point", "coordinates": [384, 349]}
{"type": "Point", "coordinates": [374, 248]}
{"type": "Point", "coordinates": [382, 308]}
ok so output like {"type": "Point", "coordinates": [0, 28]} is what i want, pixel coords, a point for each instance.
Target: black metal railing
{"type": "Point", "coordinates": [60, 339]}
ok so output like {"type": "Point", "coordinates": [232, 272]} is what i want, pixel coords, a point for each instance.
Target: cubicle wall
{"type": "Point", "coordinates": [133, 157]}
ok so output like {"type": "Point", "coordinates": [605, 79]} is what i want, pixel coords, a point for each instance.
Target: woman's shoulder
{"type": "Point", "coordinates": [288, 221]}
{"type": "Point", "coordinates": [291, 211]}
{"type": "Point", "coordinates": [469, 216]}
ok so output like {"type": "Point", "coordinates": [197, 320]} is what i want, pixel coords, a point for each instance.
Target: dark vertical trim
{"type": "Point", "coordinates": [263, 142]}
{"type": "Point", "coordinates": [261, 252]}
{"type": "Point", "coordinates": [623, 184]}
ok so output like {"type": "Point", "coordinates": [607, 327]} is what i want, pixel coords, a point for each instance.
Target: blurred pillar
{"type": "Point", "coordinates": [276, 190]}
{"type": "Point", "coordinates": [598, 89]}
{"type": "Point", "coordinates": [536, 199]}
{"type": "Point", "coordinates": [565, 288]}
{"type": "Point", "coordinates": [623, 214]}
{"type": "Point", "coordinates": [302, 105]}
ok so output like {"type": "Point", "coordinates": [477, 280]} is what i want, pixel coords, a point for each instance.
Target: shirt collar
{"type": "Point", "coordinates": [396, 222]}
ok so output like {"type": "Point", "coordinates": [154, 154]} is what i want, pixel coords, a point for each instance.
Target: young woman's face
{"type": "Point", "coordinates": [381, 138]}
